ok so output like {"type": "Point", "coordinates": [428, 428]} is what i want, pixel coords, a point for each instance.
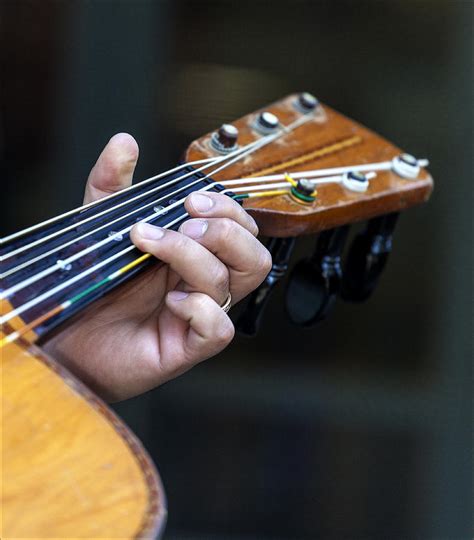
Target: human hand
{"type": "Point", "coordinates": [169, 318]}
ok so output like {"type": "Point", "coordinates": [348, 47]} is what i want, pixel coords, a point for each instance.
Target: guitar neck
{"type": "Point", "coordinates": [68, 263]}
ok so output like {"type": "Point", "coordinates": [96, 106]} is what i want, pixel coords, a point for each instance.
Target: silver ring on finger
{"type": "Point", "coordinates": [227, 304]}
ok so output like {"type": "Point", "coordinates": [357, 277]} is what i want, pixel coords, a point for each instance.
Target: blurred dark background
{"type": "Point", "coordinates": [359, 428]}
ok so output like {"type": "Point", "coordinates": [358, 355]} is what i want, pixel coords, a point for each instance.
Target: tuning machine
{"type": "Point", "coordinates": [315, 282]}
{"type": "Point", "coordinates": [367, 258]}
{"type": "Point", "coordinates": [250, 319]}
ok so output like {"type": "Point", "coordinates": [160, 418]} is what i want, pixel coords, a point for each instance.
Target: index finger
{"type": "Point", "coordinates": [216, 205]}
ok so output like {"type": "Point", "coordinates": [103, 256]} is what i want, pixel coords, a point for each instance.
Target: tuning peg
{"type": "Point", "coordinates": [367, 258]}
{"type": "Point", "coordinates": [224, 140]}
{"type": "Point", "coordinates": [314, 282]}
{"type": "Point", "coordinates": [266, 122]}
{"type": "Point", "coordinates": [249, 321]}
{"type": "Point", "coordinates": [306, 102]}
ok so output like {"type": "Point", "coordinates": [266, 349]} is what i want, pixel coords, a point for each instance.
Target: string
{"type": "Point", "coordinates": [68, 303]}
{"type": "Point", "coordinates": [39, 299]}
{"type": "Point", "coordinates": [29, 262]}
{"type": "Point", "coordinates": [114, 275]}
{"type": "Point", "coordinates": [63, 264]}
{"type": "Point", "coordinates": [124, 203]}
{"type": "Point", "coordinates": [377, 167]}
{"type": "Point", "coordinates": [237, 154]}
{"type": "Point", "coordinates": [66, 262]}
{"type": "Point", "coordinates": [51, 292]}
{"type": "Point", "coordinates": [79, 209]}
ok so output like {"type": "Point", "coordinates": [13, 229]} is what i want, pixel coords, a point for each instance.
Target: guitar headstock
{"type": "Point", "coordinates": [325, 139]}
{"type": "Point", "coordinates": [316, 171]}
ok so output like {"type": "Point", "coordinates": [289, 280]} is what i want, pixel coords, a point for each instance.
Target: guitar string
{"type": "Point", "coordinates": [262, 142]}
{"type": "Point", "coordinates": [129, 266]}
{"type": "Point", "coordinates": [308, 174]}
{"type": "Point", "coordinates": [67, 303]}
{"type": "Point", "coordinates": [80, 209]}
{"type": "Point", "coordinates": [363, 167]}
{"type": "Point", "coordinates": [124, 203]}
{"type": "Point", "coordinates": [29, 262]}
{"type": "Point", "coordinates": [61, 264]}
{"type": "Point", "coordinates": [240, 152]}
{"type": "Point", "coordinates": [56, 310]}
{"type": "Point", "coordinates": [114, 275]}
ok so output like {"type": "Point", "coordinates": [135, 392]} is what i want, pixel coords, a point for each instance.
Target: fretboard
{"type": "Point", "coordinates": [69, 263]}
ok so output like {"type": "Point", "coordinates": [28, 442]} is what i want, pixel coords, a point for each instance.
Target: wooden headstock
{"type": "Point", "coordinates": [328, 139]}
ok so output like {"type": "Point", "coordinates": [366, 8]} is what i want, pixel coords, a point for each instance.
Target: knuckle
{"type": "Point", "coordinates": [221, 278]}
{"type": "Point", "coordinates": [226, 228]}
{"type": "Point", "coordinates": [225, 332]}
{"type": "Point", "coordinates": [179, 242]}
{"type": "Point", "coordinates": [253, 227]}
{"type": "Point", "coordinates": [265, 262]}
{"type": "Point", "coordinates": [201, 302]}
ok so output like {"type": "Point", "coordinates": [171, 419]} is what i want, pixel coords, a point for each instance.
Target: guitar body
{"type": "Point", "coordinates": [70, 468]}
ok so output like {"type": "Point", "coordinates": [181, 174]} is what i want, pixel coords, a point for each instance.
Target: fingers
{"type": "Point", "coordinates": [211, 205]}
{"type": "Point", "coordinates": [248, 260]}
{"type": "Point", "coordinates": [114, 168]}
{"type": "Point", "coordinates": [198, 267]}
{"type": "Point", "coordinates": [210, 329]}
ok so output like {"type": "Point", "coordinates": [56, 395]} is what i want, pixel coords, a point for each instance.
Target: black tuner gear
{"type": "Point", "coordinates": [306, 102]}
{"type": "Point", "coordinates": [250, 319]}
{"type": "Point", "coordinates": [315, 282]}
{"type": "Point", "coordinates": [367, 258]}
{"type": "Point", "coordinates": [225, 139]}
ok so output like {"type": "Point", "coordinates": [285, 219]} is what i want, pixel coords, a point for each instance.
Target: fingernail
{"type": "Point", "coordinates": [175, 296]}
{"type": "Point", "coordinates": [194, 228]}
{"type": "Point", "coordinates": [150, 232]}
{"type": "Point", "coordinates": [202, 203]}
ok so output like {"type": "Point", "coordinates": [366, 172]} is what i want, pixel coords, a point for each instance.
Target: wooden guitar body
{"type": "Point", "coordinates": [70, 467]}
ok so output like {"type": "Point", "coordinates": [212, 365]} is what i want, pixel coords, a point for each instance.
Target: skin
{"type": "Point", "coordinates": [169, 319]}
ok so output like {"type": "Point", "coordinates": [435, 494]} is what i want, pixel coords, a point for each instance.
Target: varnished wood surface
{"type": "Point", "coordinates": [328, 140]}
{"type": "Point", "coordinates": [70, 467]}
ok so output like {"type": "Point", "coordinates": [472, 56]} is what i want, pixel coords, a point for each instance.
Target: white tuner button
{"type": "Point", "coordinates": [306, 103]}
{"type": "Point", "coordinates": [406, 166]}
{"type": "Point", "coordinates": [266, 122]}
{"type": "Point", "coordinates": [355, 181]}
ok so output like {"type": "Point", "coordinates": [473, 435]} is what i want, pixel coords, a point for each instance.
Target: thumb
{"type": "Point", "coordinates": [114, 168]}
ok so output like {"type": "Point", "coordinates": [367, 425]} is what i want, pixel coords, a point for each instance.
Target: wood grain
{"type": "Point", "coordinates": [307, 148]}
{"type": "Point", "coordinates": [70, 468]}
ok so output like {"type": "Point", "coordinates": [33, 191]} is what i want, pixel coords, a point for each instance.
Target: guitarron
{"type": "Point", "coordinates": [71, 468]}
